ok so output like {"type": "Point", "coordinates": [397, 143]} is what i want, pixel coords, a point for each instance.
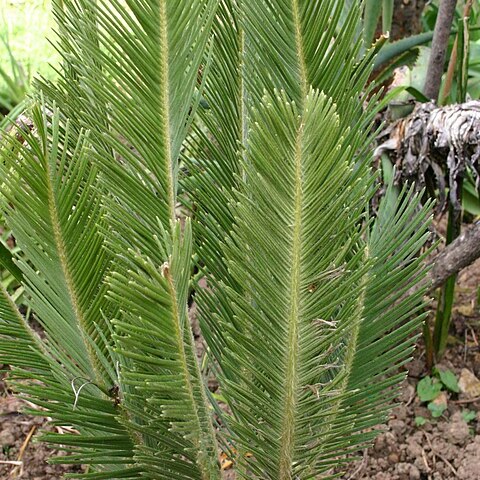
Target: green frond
{"type": "Point", "coordinates": [285, 348]}
{"type": "Point", "coordinates": [291, 280]}
{"type": "Point", "coordinates": [383, 340]}
{"type": "Point", "coordinates": [389, 327]}
{"type": "Point", "coordinates": [281, 46]}
{"type": "Point", "coordinates": [142, 63]}
{"type": "Point", "coordinates": [52, 207]}
{"type": "Point", "coordinates": [150, 55]}
{"type": "Point", "coordinates": [162, 386]}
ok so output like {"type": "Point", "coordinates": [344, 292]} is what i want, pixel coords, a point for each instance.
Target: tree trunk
{"type": "Point", "coordinates": [432, 147]}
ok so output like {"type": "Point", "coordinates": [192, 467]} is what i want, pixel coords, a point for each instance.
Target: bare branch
{"type": "Point", "coordinates": [461, 253]}
{"type": "Point", "coordinates": [441, 35]}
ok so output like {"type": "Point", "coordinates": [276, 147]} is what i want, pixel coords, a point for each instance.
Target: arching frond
{"type": "Point", "coordinates": [288, 341]}
{"type": "Point", "coordinates": [389, 327]}
{"type": "Point", "coordinates": [386, 333]}
{"type": "Point", "coordinates": [51, 205]}
{"type": "Point", "coordinates": [142, 65]}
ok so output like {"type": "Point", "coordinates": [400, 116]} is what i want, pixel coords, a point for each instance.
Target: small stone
{"type": "Point", "coordinates": [414, 473]}
{"type": "Point", "coordinates": [382, 463]}
{"type": "Point", "coordinates": [403, 471]}
{"type": "Point", "coordinates": [414, 450]}
{"type": "Point", "coordinates": [400, 412]}
{"type": "Point", "coordinates": [466, 310]}
{"type": "Point", "coordinates": [469, 384]}
{"type": "Point", "coordinates": [393, 458]}
{"type": "Point", "coordinates": [6, 438]}
{"type": "Point", "coordinates": [397, 426]}
{"type": "Point", "coordinates": [416, 368]}
{"type": "Point", "coordinates": [406, 394]}
{"type": "Point", "coordinates": [458, 431]}
{"type": "Point", "coordinates": [390, 439]}
{"type": "Point", "coordinates": [379, 443]}
{"type": "Point", "coordinates": [420, 464]}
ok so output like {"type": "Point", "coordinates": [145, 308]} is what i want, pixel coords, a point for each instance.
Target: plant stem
{"type": "Point", "coordinates": [453, 58]}
{"type": "Point", "coordinates": [447, 293]}
{"type": "Point", "coordinates": [441, 35]}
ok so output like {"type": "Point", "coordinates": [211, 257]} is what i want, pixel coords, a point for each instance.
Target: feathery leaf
{"type": "Point", "coordinates": [51, 205]}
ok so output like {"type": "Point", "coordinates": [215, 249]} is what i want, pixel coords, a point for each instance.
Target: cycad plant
{"type": "Point", "coordinates": [253, 117]}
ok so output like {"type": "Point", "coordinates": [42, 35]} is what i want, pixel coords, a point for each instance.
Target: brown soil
{"type": "Point", "coordinates": [21, 456]}
{"type": "Point", "coordinates": [442, 449]}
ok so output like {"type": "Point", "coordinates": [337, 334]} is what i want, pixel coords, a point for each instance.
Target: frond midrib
{"type": "Point", "coordinates": [291, 380]}
{"type": "Point", "coordinates": [300, 50]}
{"type": "Point", "coordinates": [242, 97]}
{"type": "Point", "coordinates": [66, 270]}
{"type": "Point", "coordinates": [202, 460]}
{"type": "Point", "coordinates": [165, 103]}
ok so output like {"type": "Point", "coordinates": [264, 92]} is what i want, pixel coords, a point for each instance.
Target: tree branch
{"type": "Point", "coordinates": [461, 253]}
{"type": "Point", "coordinates": [441, 35]}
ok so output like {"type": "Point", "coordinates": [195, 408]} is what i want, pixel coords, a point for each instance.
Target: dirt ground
{"type": "Point", "coordinates": [446, 448]}
{"type": "Point", "coordinates": [442, 449]}
{"type": "Point", "coordinates": [21, 456]}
